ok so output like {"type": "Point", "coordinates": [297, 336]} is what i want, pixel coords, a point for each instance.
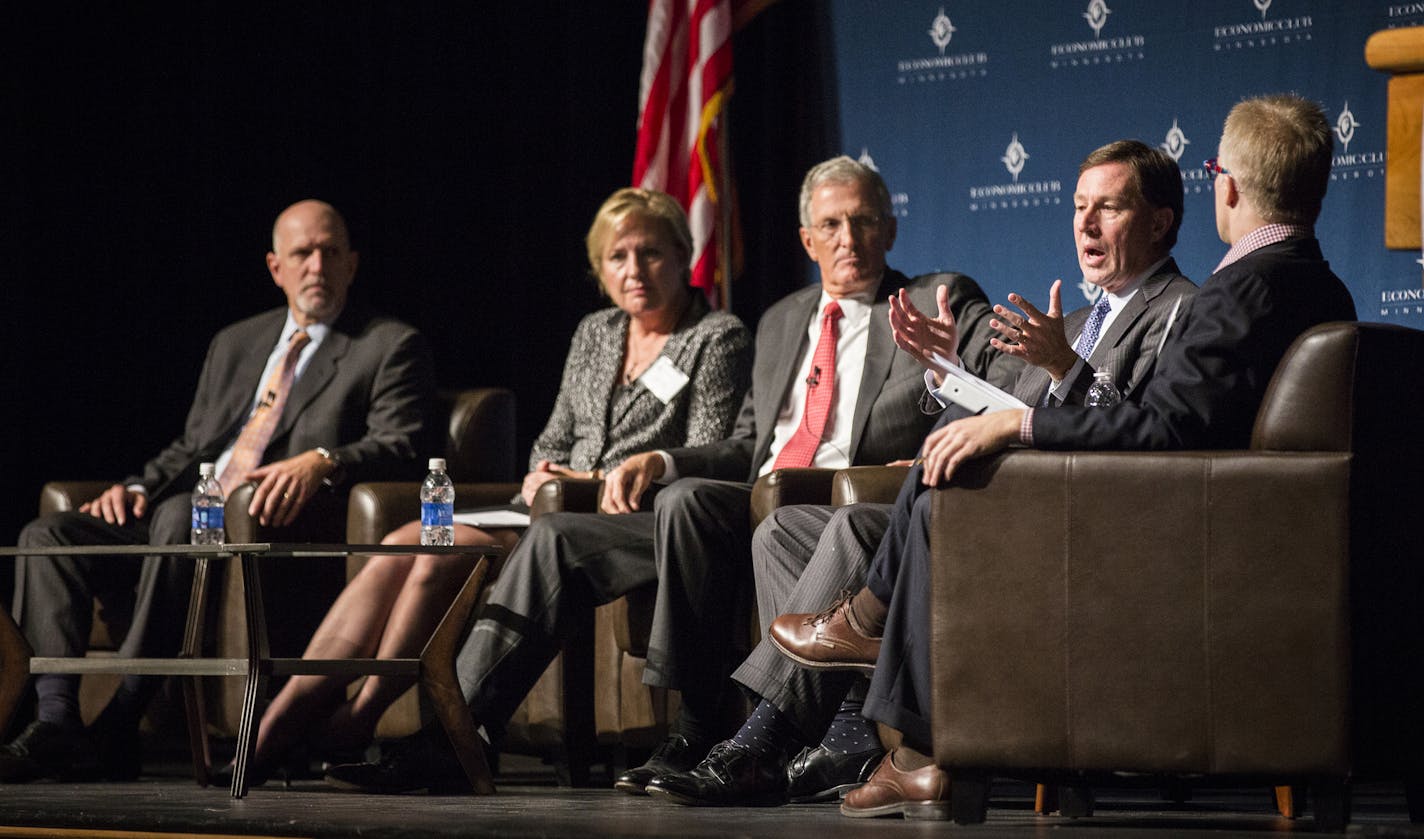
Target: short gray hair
{"type": "Point", "coordinates": [844, 170]}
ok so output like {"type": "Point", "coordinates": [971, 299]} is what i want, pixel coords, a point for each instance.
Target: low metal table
{"type": "Point", "coordinates": [434, 669]}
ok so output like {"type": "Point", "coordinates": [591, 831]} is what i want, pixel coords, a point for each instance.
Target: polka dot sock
{"type": "Point", "coordinates": [850, 732]}
{"type": "Point", "coordinates": [766, 731]}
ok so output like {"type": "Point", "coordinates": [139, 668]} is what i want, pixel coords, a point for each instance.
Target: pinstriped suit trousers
{"type": "Point", "coordinates": [804, 556]}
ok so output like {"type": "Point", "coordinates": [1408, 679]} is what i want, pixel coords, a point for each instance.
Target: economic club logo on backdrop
{"type": "Point", "coordinates": [1017, 194]}
{"type": "Point", "coordinates": [1360, 163]}
{"type": "Point", "coordinates": [899, 201]}
{"type": "Point", "coordinates": [1100, 50]}
{"type": "Point", "coordinates": [1194, 178]}
{"type": "Point", "coordinates": [947, 66]}
{"type": "Point", "coordinates": [1264, 33]}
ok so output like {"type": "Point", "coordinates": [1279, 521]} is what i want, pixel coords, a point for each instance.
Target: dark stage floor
{"type": "Point", "coordinates": [528, 805]}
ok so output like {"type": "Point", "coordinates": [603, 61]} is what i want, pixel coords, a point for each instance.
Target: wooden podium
{"type": "Point", "coordinates": [1400, 52]}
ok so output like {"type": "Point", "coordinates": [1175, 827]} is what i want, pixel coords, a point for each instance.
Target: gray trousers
{"type": "Point", "coordinates": [695, 545]}
{"type": "Point", "coordinates": [54, 596]}
{"type": "Point", "coordinates": [804, 557]}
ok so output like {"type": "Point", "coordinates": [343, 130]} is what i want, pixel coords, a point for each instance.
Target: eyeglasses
{"type": "Point", "coordinates": [1213, 168]}
{"type": "Point", "coordinates": [830, 228]}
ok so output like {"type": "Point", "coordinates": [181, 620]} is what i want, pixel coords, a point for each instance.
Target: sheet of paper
{"type": "Point", "coordinates": [493, 517]}
{"type": "Point", "coordinates": [971, 392]}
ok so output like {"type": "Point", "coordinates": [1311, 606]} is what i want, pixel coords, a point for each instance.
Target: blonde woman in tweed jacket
{"type": "Point", "coordinates": [655, 370]}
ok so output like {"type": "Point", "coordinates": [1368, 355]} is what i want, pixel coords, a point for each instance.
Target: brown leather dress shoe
{"type": "Point", "coordinates": [831, 640]}
{"type": "Point", "coordinates": [920, 794]}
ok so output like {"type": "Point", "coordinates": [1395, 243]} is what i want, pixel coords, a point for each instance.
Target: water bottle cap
{"type": "Point", "coordinates": [437, 464]}
{"type": "Point", "coordinates": [207, 470]}
{"type": "Point", "coordinates": [1102, 375]}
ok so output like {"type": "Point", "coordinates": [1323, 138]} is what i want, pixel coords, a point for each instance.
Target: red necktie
{"type": "Point", "coordinates": [800, 450]}
{"type": "Point", "coordinates": [257, 432]}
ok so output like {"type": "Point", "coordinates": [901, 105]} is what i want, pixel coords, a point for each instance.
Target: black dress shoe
{"type": "Point", "coordinates": [821, 774]}
{"type": "Point", "coordinates": [730, 776]}
{"type": "Point", "coordinates": [45, 750]}
{"type": "Point", "coordinates": [675, 754]}
{"type": "Point", "coordinates": [422, 762]}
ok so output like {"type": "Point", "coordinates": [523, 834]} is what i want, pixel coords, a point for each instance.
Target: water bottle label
{"type": "Point", "coordinates": [207, 518]}
{"type": "Point", "coordinates": [433, 514]}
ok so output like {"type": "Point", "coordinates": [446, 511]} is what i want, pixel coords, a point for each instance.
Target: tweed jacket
{"type": "Point", "coordinates": [597, 422]}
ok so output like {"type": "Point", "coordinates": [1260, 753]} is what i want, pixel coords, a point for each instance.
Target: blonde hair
{"type": "Point", "coordinates": [647, 204]}
{"type": "Point", "coordinates": [1278, 149]}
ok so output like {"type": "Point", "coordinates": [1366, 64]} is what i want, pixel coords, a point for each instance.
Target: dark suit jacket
{"type": "Point", "coordinates": [1128, 349]}
{"type": "Point", "coordinates": [888, 422]}
{"type": "Point", "coordinates": [1218, 360]}
{"type": "Point", "coordinates": [365, 395]}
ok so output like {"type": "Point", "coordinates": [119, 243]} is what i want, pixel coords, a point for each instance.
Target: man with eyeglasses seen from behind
{"type": "Point", "coordinates": [851, 399]}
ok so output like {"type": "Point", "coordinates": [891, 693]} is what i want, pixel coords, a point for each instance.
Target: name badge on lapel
{"type": "Point", "coordinates": [663, 379]}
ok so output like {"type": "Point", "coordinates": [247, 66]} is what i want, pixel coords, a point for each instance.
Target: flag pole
{"type": "Point", "coordinates": [724, 205]}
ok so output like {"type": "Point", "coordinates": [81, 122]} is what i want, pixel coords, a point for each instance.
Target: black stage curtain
{"type": "Point", "coordinates": [148, 147]}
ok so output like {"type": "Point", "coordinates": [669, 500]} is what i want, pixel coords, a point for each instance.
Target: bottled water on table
{"type": "Point", "coordinates": [437, 506]}
{"type": "Point", "coordinates": [1102, 393]}
{"type": "Point", "coordinates": [207, 508]}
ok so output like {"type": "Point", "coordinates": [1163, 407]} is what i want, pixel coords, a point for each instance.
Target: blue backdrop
{"type": "Point", "coordinates": [977, 114]}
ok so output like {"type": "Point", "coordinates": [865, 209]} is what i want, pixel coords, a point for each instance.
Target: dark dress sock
{"type": "Point", "coordinates": [850, 732]}
{"type": "Point", "coordinates": [766, 731]}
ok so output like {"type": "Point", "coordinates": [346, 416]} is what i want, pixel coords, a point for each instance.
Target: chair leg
{"type": "Point", "coordinates": [442, 686]}
{"type": "Point", "coordinates": [579, 735]}
{"type": "Point", "coordinates": [1075, 801]}
{"type": "Point", "coordinates": [1045, 799]}
{"type": "Point", "coordinates": [1289, 801]}
{"type": "Point", "coordinates": [969, 799]}
{"type": "Point", "coordinates": [1330, 804]}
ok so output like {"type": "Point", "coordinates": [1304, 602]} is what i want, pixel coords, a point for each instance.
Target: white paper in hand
{"type": "Point", "coordinates": [971, 392]}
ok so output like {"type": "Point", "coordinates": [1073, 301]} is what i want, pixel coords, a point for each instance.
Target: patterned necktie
{"type": "Point", "coordinates": [800, 450]}
{"type": "Point", "coordinates": [257, 432]}
{"type": "Point", "coordinates": [1088, 338]}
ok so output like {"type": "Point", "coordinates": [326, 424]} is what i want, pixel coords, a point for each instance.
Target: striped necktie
{"type": "Point", "coordinates": [257, 432]}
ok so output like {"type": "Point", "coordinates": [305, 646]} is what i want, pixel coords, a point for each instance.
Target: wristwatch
{"type": "Point", "coordinates": [330, 457]}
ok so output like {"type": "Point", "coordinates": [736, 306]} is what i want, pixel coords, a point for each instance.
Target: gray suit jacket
{"type": "Point", "coordinates": [1128, 349]}
{"type": "Point", "coordinates": [596, 423]}
{"type": "Point", "coordinates": [365, 395]}
{"type": "Point", "coordinates": [888, 423]}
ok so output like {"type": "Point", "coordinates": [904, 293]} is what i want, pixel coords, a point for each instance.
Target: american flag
{"type": "Point", "coordinates": [682, 105]}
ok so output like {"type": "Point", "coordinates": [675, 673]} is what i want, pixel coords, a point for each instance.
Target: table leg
{"type": "Point", "coordinates": [197, 716]}
{"type": "Point", "coordinates": [442, 686]}
{"type": "Point", "coordinates": [258, 658]}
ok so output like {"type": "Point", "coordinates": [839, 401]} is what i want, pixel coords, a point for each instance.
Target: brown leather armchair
{"type": "Point", "coordinates": [1228, 615]}
{"type": "Point", "coordinates": [480, 445]}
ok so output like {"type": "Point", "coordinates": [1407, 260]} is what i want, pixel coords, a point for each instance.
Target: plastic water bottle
{"type": "Point", "coordinates": [1102, 393]}
{"type": "Point", "coordinates": [207, 507]}
{"type": "Point", "coordinates": [437, 506]}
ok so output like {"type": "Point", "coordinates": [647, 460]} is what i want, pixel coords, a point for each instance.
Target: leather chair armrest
{"type": "Point", "coordinates": [61, 496]}
{"type": "Point", "coordinates": [790, 486]}
{"type": "Point", "coordinates": [375, 508]}
{"type": "Point", "coordinates": [878, 484]}
{"type": "Point", "coordinates": [567, 495]}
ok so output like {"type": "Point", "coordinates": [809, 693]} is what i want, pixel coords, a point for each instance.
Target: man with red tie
{"type": "Point", "coordinates": [300, 400]}
{"type": "Point", "coordinates": [828, 389]}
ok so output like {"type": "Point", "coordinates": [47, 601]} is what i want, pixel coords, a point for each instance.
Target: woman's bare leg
{"type": "Point", "coordinates": [428, 591]}
{"type": "Point", "coordinates": [352, 628]}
